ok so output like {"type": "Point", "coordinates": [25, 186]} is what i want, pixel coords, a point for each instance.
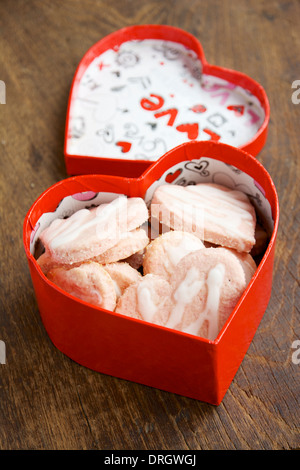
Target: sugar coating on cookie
{"type": "Point", "coordinates": [46, 262]}
{"type": "Point", "coordinates": [89, 282]}
{"type": "Point", "coordinates": [123, 275]}
{"type": "Point", "coordinates": [247, 262]}
{"type": "Point", "coordinates": [90, 232]}
{"type": "Point", "coordinates": [128, 244]}
{"type": "Point", "coordinates": [164, 253]}
{"type": "Point", "coordinates": [206, 286]}
{"type": "Point", "coordinates": [212, 212]}
{"type": "Point", "coordinates": [149, 299]}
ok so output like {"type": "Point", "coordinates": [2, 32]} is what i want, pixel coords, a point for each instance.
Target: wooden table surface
{"type": "Point", "coordinates": [46, 400]}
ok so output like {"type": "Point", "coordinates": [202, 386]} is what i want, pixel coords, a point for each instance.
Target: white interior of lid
{"type": "Point", "coordinates": [141, 99]}
{"type": "Point", "coordinates": [201, 170]}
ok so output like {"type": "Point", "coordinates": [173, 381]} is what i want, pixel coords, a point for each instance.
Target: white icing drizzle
{"type": "Point", "coordinates": [67, 230]}
{"type": "Point", "coordinates": [97, 294]}
{"type": "Point", "coordinates": [87, 295]}
{"type": "Point", "coordinates": [117, 289]}
{"type": "Point", "coordinates": [211, 312]}
{"type": "Point", "coordinates": [146, 306]}
{"type": "Point", "coordinates": [183, 295]}
{"type": "Point", "coordinates": [186, 246]}
{"type": "Point", "coordinates": [226, 209]}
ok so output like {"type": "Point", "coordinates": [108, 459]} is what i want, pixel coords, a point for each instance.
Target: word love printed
{"type": "Point", "coordinates": [155, 103]}
{"type": "Point", "coordinates": [142, 98]}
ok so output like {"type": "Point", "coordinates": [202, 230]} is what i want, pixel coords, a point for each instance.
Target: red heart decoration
{"type": "Point", "coordinates": [192, 130]}
{"type": "Point", "coordinates": [172, 176]}
{"type": "Point", "coordinates": [198, 108]}
{"type": "Point", "coordinates": [238, 110]}
{"type": "Point", "coordinates": [125, 146]}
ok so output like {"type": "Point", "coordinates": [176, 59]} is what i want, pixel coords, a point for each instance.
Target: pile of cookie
{"type": "Point", "coordinates": [184, 263]}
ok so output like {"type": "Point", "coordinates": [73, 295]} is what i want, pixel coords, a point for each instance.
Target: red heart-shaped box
{"type": "Point", "coordinates": [136, 350]}
{"type": "Point", "coordinates": [143, 90]}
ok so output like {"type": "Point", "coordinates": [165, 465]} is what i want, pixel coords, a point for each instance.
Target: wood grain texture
{"type": "Point", "coordinates": [46, 400]}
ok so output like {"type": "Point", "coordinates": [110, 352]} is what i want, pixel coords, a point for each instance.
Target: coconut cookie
{"type": "Point", "coordinates": [149, 299]}
{"type": "Point", "coordinates": [164, 253]}
{"type": "Point", "coordinates": [89, 233]}
{"type": "Point", "coordinates": [123, 275]}
{"type": "Point", "coordinates": [206, 286]}
{"type": "Point", "coordinates": [210, 211]}
{"type": "Point", "coordinates": [89, 282]}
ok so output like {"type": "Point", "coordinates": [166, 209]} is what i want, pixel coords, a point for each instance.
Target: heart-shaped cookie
{"type": "Point", "coordinates": [214, 212]}
{"type": "Point", "coordinates": [143, 90]}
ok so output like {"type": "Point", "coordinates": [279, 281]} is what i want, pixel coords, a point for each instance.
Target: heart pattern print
{"type": "Point", "coordinates": [138, 100]}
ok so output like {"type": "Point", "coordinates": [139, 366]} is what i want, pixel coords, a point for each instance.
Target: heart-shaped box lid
{"type": "Point", "coordinates": [143, 90]}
